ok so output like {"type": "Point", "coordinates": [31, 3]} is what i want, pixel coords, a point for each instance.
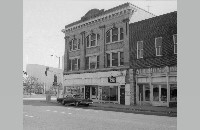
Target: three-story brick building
{"type": "Point", "coordinates": [96, 58]}
{"type": "Point", "coordinates": [153, 59]}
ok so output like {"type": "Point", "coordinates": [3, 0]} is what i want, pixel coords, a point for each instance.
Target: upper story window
{"type": "Point", "coordinates": [114, 34]}
{"type": "Point", "coordinates": [158, 46]}
{"type": "Point", "coordinates": [175, 43]}
{"type": "Point", "coordinates": [74, 64]}
{"type": "Point", "coordinates": [139, 49]}
{"type": "Point", "coordinates": [115, 59]}
{"type": "Point", "coordinates": [92, 40]}
{"type": "Point", "coordinates": [92, 62]}
{"type": "Point", "coordinates": [74, 44]}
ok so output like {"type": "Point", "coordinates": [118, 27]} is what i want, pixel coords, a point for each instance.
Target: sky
{"type": "Point", "coordinates": [43, 21]}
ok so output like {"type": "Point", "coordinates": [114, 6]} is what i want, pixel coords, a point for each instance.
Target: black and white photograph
{"type": "Point", "coordinates": [100, 65]}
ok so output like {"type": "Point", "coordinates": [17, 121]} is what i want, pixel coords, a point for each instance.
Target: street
{"type": "Point", "coordinates": [40, 115]}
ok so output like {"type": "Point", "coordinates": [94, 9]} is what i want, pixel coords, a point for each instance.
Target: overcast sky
{"type": "Point", "coordinates": [43, 21]}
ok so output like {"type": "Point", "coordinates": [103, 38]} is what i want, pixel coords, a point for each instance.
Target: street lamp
{"type": "Point", "coordinates": [58, 59]}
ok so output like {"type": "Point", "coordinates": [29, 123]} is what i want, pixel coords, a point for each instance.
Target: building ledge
{"type": "Point", "coordinates": [97, 70]}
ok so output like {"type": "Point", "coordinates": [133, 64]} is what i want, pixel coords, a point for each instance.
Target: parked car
{"type": "Point", "coordinates": [74, 100]}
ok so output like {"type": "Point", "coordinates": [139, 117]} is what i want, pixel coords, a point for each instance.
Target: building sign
{"type": "Point", "coordinates": [111, 79]}
{"type": "Point", "coordinates": [156, 70]}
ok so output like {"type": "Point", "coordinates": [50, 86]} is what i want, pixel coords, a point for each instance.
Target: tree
{"type": "Point", "coordinates": [31, 82]}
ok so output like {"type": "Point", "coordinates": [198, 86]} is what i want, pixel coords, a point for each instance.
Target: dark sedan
{"type": "Point", "coordinates": [75, 100]}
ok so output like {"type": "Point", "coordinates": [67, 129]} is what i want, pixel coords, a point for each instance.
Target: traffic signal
{"type": "Point", "coordinates": [47, 68]}
{"type": "Point", "coordinates": [55, 78]}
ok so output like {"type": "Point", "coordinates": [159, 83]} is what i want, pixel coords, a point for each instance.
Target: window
{"type": "Point", "coordinates": [121, 58]}
{"type": "Point", "coordinates": [108, 59]}
{"type": "Point", "coordinates": [115, 59]}
{"type": "Point", "coordinates": [139, 49]}
{"type": "Point", "coordinates": [147, 93]}
{"type": "Point", "coordinates": [87, 63]}
{"type": "Point", "coordinates": [173, 92]}
{"type": "Point", "coordinates": [92, 62]}
{"type": "Point", "coordinates": [114, 34]}
{"type": "Point", "coordinates": [175, 43]}
{"type": "Point", "coordinates": [107, 36]}
{"type": "Point", "coordinates": [74, 64]}
{"type": "Point", "coordinates": [121, 34]}
{"type": "Point", "coordinates": [92, 40]}
{"type": "Point", "coordinates": [74, 44]}
{"type": "Point", "coordinates": [158, 46]}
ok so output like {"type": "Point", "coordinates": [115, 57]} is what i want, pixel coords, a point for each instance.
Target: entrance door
{"type": "Point", "coordinates": [94, 93]}
{"type": "Point", "coordinates": [122, 95]}
{"type": "Point", "coordinates": [160, 95]}
{"type": "Point", "coordinates": [87, 92]}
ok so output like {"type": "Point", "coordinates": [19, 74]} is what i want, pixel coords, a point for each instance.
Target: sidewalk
{"type": "Point", "coordinates": [137, 108]}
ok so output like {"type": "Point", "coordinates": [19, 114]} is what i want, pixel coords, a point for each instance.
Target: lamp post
{"type": "Point", "coordinates": [59, 73]}
{"type": "Point", "coordinates": [58, 59]}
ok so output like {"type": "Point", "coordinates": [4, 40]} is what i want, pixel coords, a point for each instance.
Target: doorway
{"type": "Point", "coordinates": [159, 95]}
{"type": "Point", "coordinates": [122, 95]}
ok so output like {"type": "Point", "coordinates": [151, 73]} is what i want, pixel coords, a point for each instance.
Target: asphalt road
{"type": "Point", "coordinates": [39, 115]}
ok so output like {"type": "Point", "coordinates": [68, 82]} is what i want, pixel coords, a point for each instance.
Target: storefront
{"type": "Point", "coordinates": [156, 86]}
{"type": "Point", "coordinates": [100, 86]}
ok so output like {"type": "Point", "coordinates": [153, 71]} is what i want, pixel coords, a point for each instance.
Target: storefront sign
{"type": "Point", "coordinates": [173, 69]}
{"type": "Point", "coordinates": [111, 79]}
{"type": "Point", "coordinates": [152, 70]}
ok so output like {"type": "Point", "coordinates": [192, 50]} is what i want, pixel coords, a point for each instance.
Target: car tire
{"type": "Point", "coordinates": [63, 102]}
{"type": "Point", "coordinates": [76, 104]}
{"type": "Point", "coordinates": [86, 104]}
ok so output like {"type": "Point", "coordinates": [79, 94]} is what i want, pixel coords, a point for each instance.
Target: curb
{"type": "Point", "coordinates": [130, 110]}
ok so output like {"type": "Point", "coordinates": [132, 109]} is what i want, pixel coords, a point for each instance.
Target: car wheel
{"type": "Point", "coordinates": [86, 104]}
{"type": "Point", "coordinates": [63, 102]}
{"type": "Point", "coordinates": [76, 104]}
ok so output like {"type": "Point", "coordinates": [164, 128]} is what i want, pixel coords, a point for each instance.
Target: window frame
{"type": "Point", "coordinates": [111, 59]}
{"type": "Point", "coordinates": [72, 45]}
{"type": "Point", "coordinates": [175, 43]}
{"type": "Point", "coordinates": [96, 62]}
{"type": "Point", "coordinates": [89, 40]}
{"type": "Point", "coordinates": [158, 47]}
{"type": "Point", "coordinates": [140, 51]}
{"type": "Point", "coordinates": [77, 64]}
{"type": "Point", "coordinates": [110, 34]}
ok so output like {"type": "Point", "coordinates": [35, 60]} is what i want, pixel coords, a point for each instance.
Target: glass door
{"type": "Point", "coordinates": [159, 95]}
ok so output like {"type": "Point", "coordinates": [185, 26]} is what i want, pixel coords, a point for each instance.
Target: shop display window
{"type": "Point", "coordinates": [155, 93]}
{"type": "Point", "coordinates": [75, 90]}
{"type": "Point", "coordinates": [164, 92]}
{"type": "Point", "coordinates": [110, 93]}
{"type": "Point", "coordinates": [141, 92]}
{"type": "Point", "coordinates": [147, 93]}
{"type": "Point", "coordinates": [173, 92]}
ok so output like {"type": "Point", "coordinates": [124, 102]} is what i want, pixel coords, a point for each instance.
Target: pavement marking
{"type": "Point", "coordinates": [55, 111]}
{"type": "Point", "coordinates": [69, 113]}
{"type": "Point", "coordinates": [68, 108]}
{"type": "Point", "coordinates": [47, 110]}
{"type": "Point", "coordinates": [63, 112]}
{"type": "Point", "coordinates": [31, 116]}
{"type": "Point", "coordinates": [26, 115]}
{"type": "Point", "coordinates": [87, 110]}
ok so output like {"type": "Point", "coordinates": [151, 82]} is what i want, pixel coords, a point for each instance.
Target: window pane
{"type": "Point", "coordinates": [175, 48]}
{"type": "Point", "coordinates": [121, 58]}
{"type": "Point", "coordinates": [147, 93]}
{"type": "Point", "coordinates": [108, 37]}
{"type": "Point", "coordinates": [87, 63]}
{"type": "Point", "coordinates": [108, 59]}
{"type": "Point", "coordinates": [74, 64]}
{"type": "Point", "coordinates": [105, 93]}
{"type": "Point", "coordinates": [115, 34]}
{"type": "Point", "coordinates": [121, 34]}
{"type": "Point", "coordinates": [78, 45]}
{"type": "Point", "coordinates": [93, 39]}
{"type": "Point", "coordinates": [93, 61]}
{"type": "Point", "coordinates": [114, 59]}
{"type": "Point", "coordinates": [87, 41]}
{"type": "Point", "coordinates": [93, 43]}
{"type": "Point", "coordinates": [141, 92]}
{"type": "Point", "coordinates": [78, 64]}
{"type": "Point", "coordinates": [113, 93]}
{"type": "Point", "coordinates": [70, 62]}
{"type": "Point", "coordinates": [70, 45]}
{"type": "Point", "coordinates": [98, 38]}
{"type": "Point", "coordinates": [75, 44]}
{"type": "Point", "coordinates": [158, 41]}
{"type": "Point", "coordinates": [97, 62]}
{"type": "Point", "coordinates": [141, 53]}
{"type": "Point", "coordinates": [175, 38]}
{"type": "Point", "coordinates": [155, 93]}
{"type": "Point", "coordinates": [173, 92]}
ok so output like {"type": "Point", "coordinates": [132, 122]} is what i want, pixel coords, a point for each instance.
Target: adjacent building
{"type": "Point", "coordinates": [45, 74]}
{"type": "Point", "coordinates": [97, 54]}
{"type": "Point", "coordinates": [153, 60]}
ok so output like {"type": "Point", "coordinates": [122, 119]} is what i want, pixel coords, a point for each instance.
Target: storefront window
{"type": "Point", "coordinates": [173, 92]}
{"type": "Point", "coordinates": [109, 93]}
{"type": "Point", "coordinates": [147, 93]}
{"type": "Point", "coordinates": [155, 93]}
{"type": "Point", "coordinates": [75, 90]}
{"type": "Point", "coordinates": [140, 92]}
{"type": "Point", "coordinates": [164, 92]}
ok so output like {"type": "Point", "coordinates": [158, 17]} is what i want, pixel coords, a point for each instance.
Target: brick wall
{"type": "Point", "coordinates": [147, 30]}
